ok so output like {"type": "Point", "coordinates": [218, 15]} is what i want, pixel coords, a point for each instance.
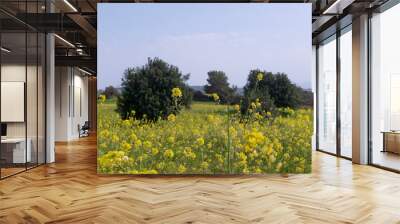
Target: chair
{"type": "Point", "coordinates": [84, 130]}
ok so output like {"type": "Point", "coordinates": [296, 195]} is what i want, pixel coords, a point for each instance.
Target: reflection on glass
{"type": "Point", "coordinates": [346, 94]}
{"type": "Point", "coordinates": [385, 86]}
{"type": "Point", "coordinates": [41, 98]}
{"type": "Point", "coordinates": [31, 97]}
{"type": "Point", "coordinates": [327, 96]}
{"type": "Point", "coordinates": [22, 91]}
{"type": "Point", "coordinates": [13, 85]}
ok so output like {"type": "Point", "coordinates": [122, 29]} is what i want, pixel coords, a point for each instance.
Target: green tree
{"type": "Point", "coordinates": [147, 91]}
{"type": "Point", "coordinates": [284, 92]}
{"type": "Point", "coordinates": [110, 92]}
{"type": "Point", "coordinates": [218, 83]}
{"type": "Point", "coordinates": [273, 90]}
{"type": "Point", "coordinates": [257, 87]}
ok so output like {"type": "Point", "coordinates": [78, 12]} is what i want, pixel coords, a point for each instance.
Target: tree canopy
{"type": "Point", "coordinates": [217, 82]}
{"type": "Point", "coordinates": [111, 92]}
{"type": "Point", "coordinates": [273, 90]}
{"type": "Point", "coordinates": [147, 91]}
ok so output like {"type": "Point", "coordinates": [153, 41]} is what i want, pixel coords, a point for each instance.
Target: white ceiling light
{"type": "Point", "coordinates": [70, 5]}
{"type": "Point", "coordinates": [65, 41]}
{"type": "Point", "coordinates": [337, 7]}
{"type": "Point", "coordinates": [5, 50]}
{"type": "Point", "coordinates": [86, 72]}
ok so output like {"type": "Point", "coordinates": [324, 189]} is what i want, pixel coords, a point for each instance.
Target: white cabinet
{"type": "Point", "coordinates": [19, 155]}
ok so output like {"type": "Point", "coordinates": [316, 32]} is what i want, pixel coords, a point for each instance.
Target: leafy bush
{"type": "Point", "coordinates": [274, 90]}
{"type": "Point", "coordinates": [218, 83]}
{"type": "Point", "coordinates": [200, 96]}
{"type": "Point", "coordinates": [147, 91]}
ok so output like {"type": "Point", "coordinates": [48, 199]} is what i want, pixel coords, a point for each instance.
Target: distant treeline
{"type": "Point", "coordinates": [146, 91]}
{"type": "Point", "coordinates": [276, 89]}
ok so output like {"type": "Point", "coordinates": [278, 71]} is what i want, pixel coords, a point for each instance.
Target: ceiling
{"type": "Point", "coordinates": [75, 21]}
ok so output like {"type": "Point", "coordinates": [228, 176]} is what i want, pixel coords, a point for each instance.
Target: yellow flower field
{"type": "Point", "coordinates": [205, 140]}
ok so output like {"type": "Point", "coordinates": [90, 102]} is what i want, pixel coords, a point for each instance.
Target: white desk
{"type": "Point", "coordinates": [19, 154]}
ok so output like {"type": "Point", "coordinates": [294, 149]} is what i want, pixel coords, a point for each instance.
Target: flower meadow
{"type": "Point", "coordinates": [208, 138]}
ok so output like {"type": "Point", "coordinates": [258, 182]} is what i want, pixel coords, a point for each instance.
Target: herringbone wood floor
{"type": "Point", "coordinates": [70, 191]}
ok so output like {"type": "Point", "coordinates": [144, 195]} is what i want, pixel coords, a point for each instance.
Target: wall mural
{"type": "Point", "coordinates": [195, 89]}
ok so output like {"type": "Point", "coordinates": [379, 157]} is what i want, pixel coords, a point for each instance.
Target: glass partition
{"type": "Point", "coordinates": [41, 97]}
{"type": "Point", "coordinates": [346, 93]}
{"type": "Point", "coordinates": [327, 95]}
{"type": "Point", "coordinates": [385, 89]}
{"type": "Point", "coordinates": [13, 92]}
{"type": "Point", "coordinates": [22, 78]}
{"type": "Point", "coordinates": [31, 97]}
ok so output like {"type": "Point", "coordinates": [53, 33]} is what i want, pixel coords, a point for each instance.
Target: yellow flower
{"type": "Point", "coordinates": [154, 151]}
{"type": "Point", "coordinates": [258, 116]}
{"type": "Point", "coordinates": [200, 141]}
{"type": "Point", "coordinates": [102, 98]}
{"type": "Point", "coordinates": [133, 137]}
{"type": "Point", "coordinates": [171, 139]}
{"type": "Point", "coordinates": [171, 117]}
{"type": "Point", "coordinates": [220, 158]}
{"type": "Point", "coordinates": [271, 158]}
{"type": "Point", "coordinates": [147, 144]}
{"type": "Point", "coordinates": [104, 134]}
{"type": "Point", "coordinates": [169, 154]}
{"type": "Point", "coordinates": [149, 172]}
{"type": "Point", "coordinates": [115, 138]}
{"type": "Point", "coordinates": [215, 97]}
{"type": "Point", "coordinates": [299, 169]}
{"type": "Point", "coordinates": [232, 131]}
{"type": "Point", "coordinates": [126, 146]}
{"type": "Point", "coordinates": [253, 105]}
{"type": "Point", "coordinates": [188, 153]}
{"type": "Point", "coordinates": [133, 172]}
{"type": "Point", "coordinates": [160, 165]}
{"type": "Point", "coordinates": [210, 118]}
{"type": "Point", "coordinates": [126, 123]}
{"type": "Point", "coordinates": [138, 143]}
{"type": "Point", "coordinates": [204, 165]}
{"type": "Point", "coordinates": [242, 156]}
{"type": "Point", "coordinates": [278, 166]}
{"type": "Point", "coordinates": [267, 150]}
{"type": "Point", "coordinates": [260, 76]}
{"type": "Point", "coordinates": [237, 107]}
{"type": "Point", "coordinates": [181, 169]}
{"type": "Point", "coordinates": [176, 92]}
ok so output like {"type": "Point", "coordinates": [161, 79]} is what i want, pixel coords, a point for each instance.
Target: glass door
{"type": "Point", "coordinates": [327, 95]}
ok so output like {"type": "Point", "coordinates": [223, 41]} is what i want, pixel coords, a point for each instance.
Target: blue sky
{"type": "Point", "coordinates": [197, 38]}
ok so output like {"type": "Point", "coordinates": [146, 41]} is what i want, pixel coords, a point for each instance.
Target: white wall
{"type": "Point", "coordinates": [314, 90]}
{"type": "Point", "coordinates": [71, 102]}
{"type": "Point", "coordinates": [62, 82]}
{"type": "Point", "coordinates": [17, 73]}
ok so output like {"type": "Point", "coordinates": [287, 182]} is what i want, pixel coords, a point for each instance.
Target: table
{"type": "Point", "coordinates": [13, 150]}
{"type": "Point", "coordinates": [391, 141]}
